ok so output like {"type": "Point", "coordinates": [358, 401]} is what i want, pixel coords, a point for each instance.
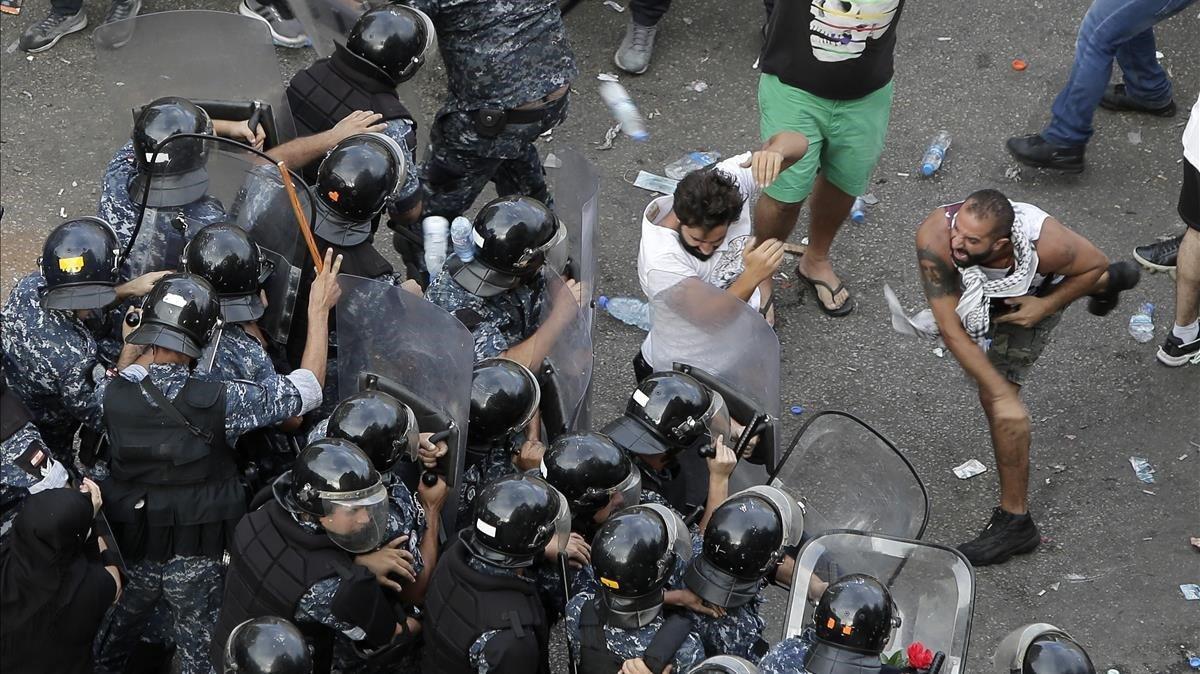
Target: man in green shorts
{"type": "Point", "coordinates": [837, 91]}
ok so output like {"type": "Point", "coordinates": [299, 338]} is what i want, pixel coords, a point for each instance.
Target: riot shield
{"type": "Point", "coordinates": [399, 343]}
{"type": "Point", "coordinates": [221, 61]}
{"type": "Point", "coordinates": [576, 195]}
{"type": "Point", "coordinates": [851, 477]}
{"type": "Point", "coordinates": [240, 185]}
{"type": "Point", "coordinates": [708, 333]}
{"type": "Point", "coordinates": [566, 372]}
{"type": "Point", "coordinates": [932, 586]}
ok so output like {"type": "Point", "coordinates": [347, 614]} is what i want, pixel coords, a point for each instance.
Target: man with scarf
{"type": "Point", "coordinates": [998, 275]}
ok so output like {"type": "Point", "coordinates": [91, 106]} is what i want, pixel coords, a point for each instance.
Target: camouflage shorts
{"type": "Point", "coordinates": [1015, 349]}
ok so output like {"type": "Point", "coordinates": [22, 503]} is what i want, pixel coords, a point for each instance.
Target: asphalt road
{"type": "Point", "coordinates": [1115, 555]}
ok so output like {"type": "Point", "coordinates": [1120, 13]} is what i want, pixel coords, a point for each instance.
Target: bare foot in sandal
{"type": "Point", "coordinates": [832, 295]}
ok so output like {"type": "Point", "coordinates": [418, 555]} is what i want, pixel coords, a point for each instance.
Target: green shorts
{"type": "Point", "coordinates": [1015, 349]}
{"type": "Point", "coordinates": [845, 138]}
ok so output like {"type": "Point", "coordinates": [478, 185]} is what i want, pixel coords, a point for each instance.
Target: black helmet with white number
{"type": "Point", "coordinates": [177, 174]}
{"type": "Point", "coordinates": [392, 40]}
{"type": "Point", "coordinates": [1041, 648]}
{"type": "Point", "coordinates": [355, 181]}
{"type": "Point", "coordinates": [266, 645]}
{"type": "Point", "coordinates": [667, 413]}
{"type": "Point", "coordinates": [227, 258]}
{"type": "Point", "coordinates": [594, 474]}
{"type": "Point", "coordinates": [857, 614]}
{"type": "Point", "coordinates": [743, 543]}
{"type": "Point", "coordinates": [180, 313]}
{"type": "Point", "coordinates": [504, 397]}
{"type": "Point", "coordinates": [515, 518]}
{"type": "Point", "coordinates": [633, 554]}
{"type": "Point", "coordinates": [384, 428]}
{"type": "Point", "coordinates": [333, 478]}
{"type": "Point", "coordinates": [513, 236]}
{"type": "Point", "coordinates": [79, 264]}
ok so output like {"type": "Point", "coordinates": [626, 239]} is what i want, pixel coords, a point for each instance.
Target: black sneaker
{"type": "Point", "coordinates": [120, 10]}
{"type": "Point", "coordinates": [1116, 99]}
{"type": "Point", "coordinates": [1033, 150]}
{"type": "Point", "coordinates": [1004, 536]}
{"type": "Point", "coordinates": [46, 33]}
{"type": "Point", "coordinates": [1160, 255]}
{"type": "Point", "coordinates": [1122, 276]}
{"type": "Point", "coordinates": [1174, 353]}
{"type": "Point", "coordinates": [286, 30]}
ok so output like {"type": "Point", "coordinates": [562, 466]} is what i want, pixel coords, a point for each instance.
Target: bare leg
{"type": "Point", "coordinates": [1187, 279]}
{"type": "Point", "coordinates": [1010, 441]}
{"type": "Point", "coordinates": [829, 208]}
{"type": "Point", "coordinates": [774, 219]}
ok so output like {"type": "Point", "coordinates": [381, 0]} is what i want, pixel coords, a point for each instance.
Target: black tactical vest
{"type": "Point", "coordinates": [462, 603]}
{"type": "Point", "coordinates": [594, 656]}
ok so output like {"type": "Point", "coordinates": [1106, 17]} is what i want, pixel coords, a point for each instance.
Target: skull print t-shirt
{"type": "Point", "coordinates": [849, 50]}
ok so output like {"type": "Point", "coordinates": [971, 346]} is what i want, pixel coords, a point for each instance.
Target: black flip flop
{"type": "Point", "coordinates": [812, 283]}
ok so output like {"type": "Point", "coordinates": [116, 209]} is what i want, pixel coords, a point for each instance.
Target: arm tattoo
{"type": "Point", "coordinates": [938, 277]}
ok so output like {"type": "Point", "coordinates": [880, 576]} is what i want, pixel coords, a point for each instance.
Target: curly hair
{"type": "Point", "coordinates": [707, 199]}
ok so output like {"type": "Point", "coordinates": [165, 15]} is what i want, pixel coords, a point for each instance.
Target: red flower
{"type": "Point", "coordinates": [919, 657]}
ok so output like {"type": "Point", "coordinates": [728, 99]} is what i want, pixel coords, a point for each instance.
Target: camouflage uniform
{"type": "Point", "coordinates": [49, 360]}
{"type": "Point", "coordinates": [25, 468]}
{"type": "Point", "coordinates": [630, 644]}
{"type": "Point", "coordinates": [738, 633]}
{"type": "Point", "coordinates": [788, 656]}
{"type": "Point", "coordinates": [398, 130]}
{"type": "Point", "coordinates": [497, 323]}
{"type": "Point", "coordinates": [497, 463]}
{"type": "Point", "coordinates": [499, 55]}
{"type": "Point", "coordinates": [239, 357]}
{"type": "Point", "coordinates": [191, 586]}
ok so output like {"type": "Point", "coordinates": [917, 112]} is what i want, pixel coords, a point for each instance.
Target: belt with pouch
{"type": "Point", "coordinates": [490, 122]}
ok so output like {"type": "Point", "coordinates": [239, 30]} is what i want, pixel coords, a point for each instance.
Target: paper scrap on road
{"type": "Point", "coordinates": [1191, 591]}
{"type": "Point", "coordinates": [655, 183]}
{"type": "Point", "coordinates": [969, 469]}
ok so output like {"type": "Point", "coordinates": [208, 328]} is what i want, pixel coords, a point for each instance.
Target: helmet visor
{"type": "Point", "coordinates": [629, 492]}
{"type": "Point", "coordinates": [679, 538]}
{"type": "Point", "coordinates": [561, 524]}
{"type": "Point", "coordinates": [410, 442]}
{"type": "Point", "coordinates": [356, 521]}
{"type": "Point", "coordinates": [790, 511]}
{"type": "Point", "coordinates": [547, 250]}
{"type": "Point", "coordinates": [716, 420]}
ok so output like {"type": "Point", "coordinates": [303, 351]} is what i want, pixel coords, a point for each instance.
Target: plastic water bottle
{"type": "Point", "coordinates": [858, 212]}
{"type": "Point", "coordinates": [460, 235]}
{"type": "Point", "coordinates": [690, 162]}
{"type": "Point", "coordinates": [1141, 324]}
{"type": "Point", "coordinates": [436, 229]}
{"type": "Point", "coordinates": [936, 153]}
{"type": "Point", "coordinates": [628, 310]}
{"type": "Point", "coordinates": [624, 110]}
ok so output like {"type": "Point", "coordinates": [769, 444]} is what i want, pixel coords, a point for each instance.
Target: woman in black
{"type": "Point", "coordinates": [53, 593]}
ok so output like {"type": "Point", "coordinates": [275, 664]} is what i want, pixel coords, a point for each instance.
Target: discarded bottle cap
{"type": "Point", "coordinates": [797, 409]}
{"type": "Point", "coordinates": [1019, 64]}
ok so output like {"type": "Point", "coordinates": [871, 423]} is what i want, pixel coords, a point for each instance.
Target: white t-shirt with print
{"type": "Point", "coordinates": [662, 251]}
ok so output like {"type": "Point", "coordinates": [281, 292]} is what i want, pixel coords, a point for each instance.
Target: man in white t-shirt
{"type": "Point", "coordinates": [704, 230]}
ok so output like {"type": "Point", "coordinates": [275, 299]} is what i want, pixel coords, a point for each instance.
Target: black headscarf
{"type": "Point", "coordinates": [43, 563]}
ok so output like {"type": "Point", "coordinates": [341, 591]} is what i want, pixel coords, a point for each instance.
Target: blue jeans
{"type": "Point", "coordinates": [1120, 29]}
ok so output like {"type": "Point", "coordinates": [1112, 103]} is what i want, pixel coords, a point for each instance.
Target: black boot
{"type": "Point", "coordinates": [1004, 536]}
{"type": "Point", "coordinates": [1033, 150]}
{"type": "Point", "coordinates": [1116, 99]}
{"type": "Point", "coordinates": [1122, 276]}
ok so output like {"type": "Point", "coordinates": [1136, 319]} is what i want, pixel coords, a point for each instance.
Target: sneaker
{"type": "Point", "coordinates": [1122, 276]}
{"type": "Point", "coordinates": [1033, 150]}
{"type": "Point", "coordinates": [286, 31]}
{"type": "Point", "coordinates": [1116, 99]}
{"type": "Point", "coordinates": [10, 7]}
{"type": "Point", "coordinates": [1174, 353]}
{"type": "Point", "coordinates": [633, 56]}
{"type": "Point", "coordinates": [1160, 255]}
{"type": "Point", "coordinates": [46, 33]}
{"type": "Point", "coordinates": [1004, 536]}
{"type": "Point", "coordinates": [120, 10]}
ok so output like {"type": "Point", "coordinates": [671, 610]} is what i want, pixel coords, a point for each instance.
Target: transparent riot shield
{"type": "Point", "coordinates": [566, 372]}
{"type": "Point", "coordinates": [933, 588]}
{"type": "Point", "coordinates": [222, 61]}
{"type": "Point", "coordinates": [233, 183]}
{"type": "Point", "coordinates": [851, 477]}
{"type": "Point", "coordinates": [576, 194]}
{"type": "Point", "coordinates": [394, 341]}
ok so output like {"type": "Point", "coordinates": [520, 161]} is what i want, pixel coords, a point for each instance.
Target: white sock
{"type": "Point", "coordinates": [1187, 333]}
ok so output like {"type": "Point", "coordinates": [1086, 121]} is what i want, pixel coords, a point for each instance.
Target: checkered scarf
{"type": "Point", "coordinates": [974, 307]}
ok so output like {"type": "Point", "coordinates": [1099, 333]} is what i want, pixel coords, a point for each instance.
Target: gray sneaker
{"type": "Point", "coordinates": [286, 31]}
{"type": "Point", "coordinates": [633, 56]}
{"type": "Point", "coordinates": [46, 33]}
{"type": "Point", "coordinates": [120, 10]}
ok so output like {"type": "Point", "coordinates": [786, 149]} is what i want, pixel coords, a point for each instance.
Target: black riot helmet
{"type": "Point", "coordinates": [384, 428]}
{"type": "Point", "coordinates": [266, 645]}
{"type": "Point", "coordinates": [354, 182]}
{"type": "Point", "coordinates": [725, 664]}
{"type": "Point", "coordinates": [667, 413]}
{"type": "Point", "coordinates": [513, 235]}
{"type": "Point", "coordinates": [180, 313]}
{"type": "Point", "coordinates": [743, 542]}
{"type": "Point", "coordinates": [334, 479]}
{"type": "Point", "coordinates": [1041, 648]}
{"type": "Point", "coordinates": [79, 263]}
{"type": "Point", "coordinates": [393, 40]}
{"type": "Point", "coordinates": [590, 469]}
{"type": "Point", "coordinates": [504, 397]}
{"type": "Point", "coordinates": [632, 554]}
{"type": "Point", "coordinates": [516, 517]}
{"type": "Point", "coordinates": [177, 173]}
{"type": "Point", "coordinates": [857, 614]}
{"type": "Point", "coordinates": [227, 258]}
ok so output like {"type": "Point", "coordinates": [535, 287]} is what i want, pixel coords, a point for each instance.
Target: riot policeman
{"type": "Point", "coordinates": [725, 664]}
{"type": "Point", "coordinates": [633, 555]}
{"type": "Point", "coordinates": [483, 609]}
{"type": "Point", "coordinates": [266, 645]}
{"type": "Point", "coordinates": [597, 477]}
{"type": "Point", "coordinates": [1040, 648]}
{"type": "Point", "coordinates": [175, 493]}
{"type": "Point", "coordinates": [296, 557]}
{"type": "Point", "coordinates": [53, 319]}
